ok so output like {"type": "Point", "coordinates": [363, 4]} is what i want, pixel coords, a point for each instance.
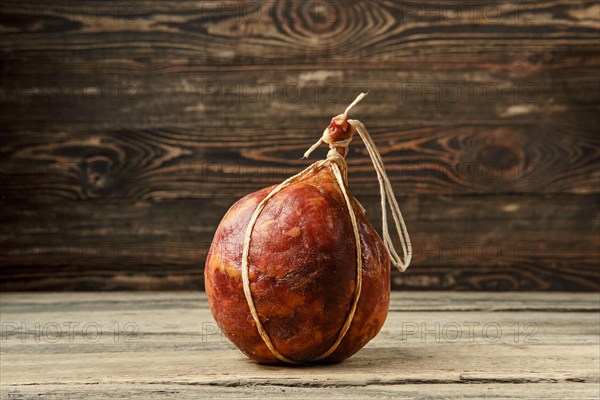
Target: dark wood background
{"type": "Point", "coordinates": [129, 128]}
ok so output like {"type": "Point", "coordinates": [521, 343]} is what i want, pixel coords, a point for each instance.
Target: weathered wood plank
{"type": "Point", "coordinates": [176, 348]}
{"type": "Point", "coordinates": [508, 158]}
{"type": "Point", "coordinates": [21, 302]}
{"type": "Point", "coordinates": [274, 32]}
{"type": "Point", "coordinates": [219, 368]}
{"type": "Point", "coordinates": [459, 243]}
{"type": "Point", "coordinates": [184, 391]}
{"type": "Point", "coordinates": [295, 100]}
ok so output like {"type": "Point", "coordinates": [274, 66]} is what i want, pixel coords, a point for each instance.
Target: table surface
{"type": "Point", "coordinates": [147, 345]}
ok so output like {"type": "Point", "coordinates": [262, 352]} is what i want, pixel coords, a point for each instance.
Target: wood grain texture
{"type": "Point", "coordinates": [287, 31]}
{"type": "Point", "coordinates": [164, 345]}
{"type": "Point", "coordinates": [128, 128]}
{"type": "Point", "coordinates": [454, 246]}
{"type": "Point", "coordinates": [165, 164]}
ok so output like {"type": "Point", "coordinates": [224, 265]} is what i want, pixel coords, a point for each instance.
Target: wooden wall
{"type": "Point", "coordinates": [129, 128]}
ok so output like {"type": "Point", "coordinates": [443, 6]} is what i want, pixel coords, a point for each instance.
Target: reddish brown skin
{"type": "Point", "coordinates": [302, 270]}
{"type": "Point", "coordinates": [302, 273]}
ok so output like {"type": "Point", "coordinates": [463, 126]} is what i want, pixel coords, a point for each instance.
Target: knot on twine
{"type": "Point", "coordinates": [338, 146]}
{"type": "Point", "coordinates": [336, 161]}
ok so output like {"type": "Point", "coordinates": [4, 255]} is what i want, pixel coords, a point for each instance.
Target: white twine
{"type": "Point", "coordinates": [387, 193]}
{"type": "Point", "coordinates": [385, 189]}
{"type": "Point", "coordinates": [337, 164]}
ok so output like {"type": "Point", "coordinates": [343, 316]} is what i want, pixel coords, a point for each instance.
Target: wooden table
{"type": "Point", "coordinates": [148, 345]}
